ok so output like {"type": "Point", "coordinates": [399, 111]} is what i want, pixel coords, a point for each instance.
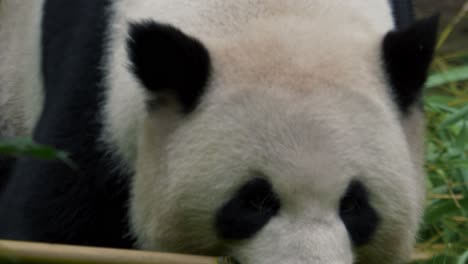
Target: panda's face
{"type": "Point", "coordinates": [295, 154]}
{"type": "Point", "coordinates": [277, 177]}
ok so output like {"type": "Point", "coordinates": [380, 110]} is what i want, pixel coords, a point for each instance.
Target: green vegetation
{"type": "Point", "coordinates": [444, 235]}
{"type": "Point", "coordinates": [25, 147]}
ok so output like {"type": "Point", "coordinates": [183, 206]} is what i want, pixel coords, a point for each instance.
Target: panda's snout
{"type": "Point", "coordinates": [232, 260]}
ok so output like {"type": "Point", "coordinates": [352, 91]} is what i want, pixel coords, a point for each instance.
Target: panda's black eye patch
{"type": "Point", "coordinates": [357, 214]}
{"type": "Point", "coordinates": [250, 209]}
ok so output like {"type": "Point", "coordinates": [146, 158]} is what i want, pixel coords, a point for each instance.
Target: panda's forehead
{"type": "Point", "coordinates": [300, 56]}
{"type": "Point", "coordinates": [318, 101]}
{"type": "Point", "coordinates": [314, 143]}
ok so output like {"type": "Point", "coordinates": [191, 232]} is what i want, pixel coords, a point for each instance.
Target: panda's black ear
{"type": "Point", "coordinates": [168, 62]}
{"type": "Point", "coordinates": [407, 55]}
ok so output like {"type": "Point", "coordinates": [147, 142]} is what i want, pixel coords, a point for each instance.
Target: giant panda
{"type": "Point", "coordinates": [271, 131]}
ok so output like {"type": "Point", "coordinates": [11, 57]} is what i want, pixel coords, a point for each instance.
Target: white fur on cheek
{"type": "Point", "coordinates": [150, 178]}
{"type": "Point", "coordinates": [125, 100]}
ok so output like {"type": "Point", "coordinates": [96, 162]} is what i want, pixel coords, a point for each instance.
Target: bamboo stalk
{"type": "Point", "coordinates": [32, 253]}
{"type": "Point", "coordinates": [27, 252]}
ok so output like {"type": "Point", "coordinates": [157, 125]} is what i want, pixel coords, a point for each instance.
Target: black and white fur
{"type": "Point", "coordinates": [272, 131]}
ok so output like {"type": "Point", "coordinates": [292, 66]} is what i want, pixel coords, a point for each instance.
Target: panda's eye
{"type": "Point", "coordinates": [253, 205]}
{"type": "Point", "coordinates": [349, 205]}
{"type": "Point", "coordinates": [356, 212]}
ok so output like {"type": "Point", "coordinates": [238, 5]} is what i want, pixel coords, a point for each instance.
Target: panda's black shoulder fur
{"type": "Point", "coordinates": [403, 12]}
{"type": "Point", "coordinates": [47, 200]}
{"type": "Point", "coordinates": [6, 163]}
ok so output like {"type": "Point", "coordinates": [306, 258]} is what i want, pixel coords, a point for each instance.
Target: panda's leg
{"type": "Point", "coordinates": [20, 84]}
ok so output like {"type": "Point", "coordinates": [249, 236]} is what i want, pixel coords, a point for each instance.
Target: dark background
{"type": "Point", "coordinates": [458, 40]}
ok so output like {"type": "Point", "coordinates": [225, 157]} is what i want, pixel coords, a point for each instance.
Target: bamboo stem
{"type": "Point", "coordinates": [32, 253]}
{"type": "Point", "coordinates": [27, 252]}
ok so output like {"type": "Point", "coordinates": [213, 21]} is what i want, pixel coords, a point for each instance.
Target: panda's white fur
{"type": "Point", "coordinates": [297, 92]}
{"type": "Point", "coordinates": [372, 19]}
{"type": "Point", "coordinates": [20, 97]}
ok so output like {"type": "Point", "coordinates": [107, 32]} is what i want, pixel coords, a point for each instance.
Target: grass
{"type": "Point", "coordinates": [444, 234]}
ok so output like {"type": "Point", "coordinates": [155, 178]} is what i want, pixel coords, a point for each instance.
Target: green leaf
{"type": "Point", "coordinates": [442, 209]}
{"type": "Point", "coordinates": [455, 117]}
{"type": "Point", "coordinates": [26, 147]}
{"type": "Point", "coordinates": [443, 259]}
{"type": "Point", "coordinates": [452, 75]}
{"type": "Point", "coordinates": [440, 107]}
{"type": "Point", "coordinates": [463, 259]}
{"type": "Point", "coordinates": [441, 100]}
{"type": "Point", "coordinates": [462, 138]}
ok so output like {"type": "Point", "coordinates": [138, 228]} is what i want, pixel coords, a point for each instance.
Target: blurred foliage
{"type": "Point", "coordinates": [444, 234]}
{"type": "Point", "coordinates": [25, 147]}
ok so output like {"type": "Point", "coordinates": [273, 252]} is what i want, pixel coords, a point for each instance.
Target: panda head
{"type": "Point", "coordinates": [281, 144]}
